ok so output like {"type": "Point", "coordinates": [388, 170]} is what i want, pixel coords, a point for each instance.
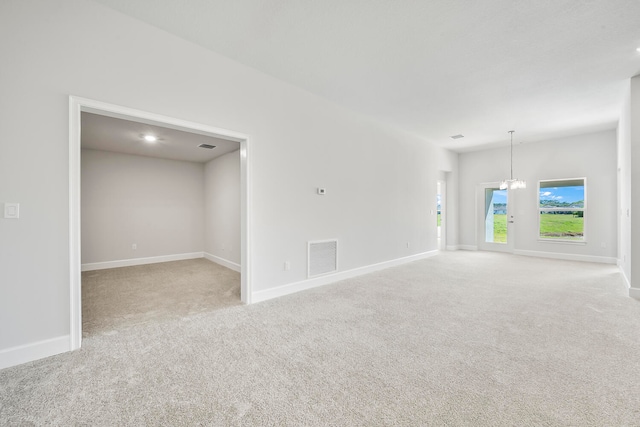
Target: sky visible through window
{"type": "Point", "coordinates": [565, 194]}
{"type": "Point", "coordinates": [499, 196]}
{"type": "Point", "coordinates": [562, 196]}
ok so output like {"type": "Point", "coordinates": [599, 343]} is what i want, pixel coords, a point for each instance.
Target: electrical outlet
{"type": "Point", "coordinates": [408, 244]}
{"type": "Point", "coordinates": [134, 246]}
{"type": "Point", "coordinates": [287, 266]}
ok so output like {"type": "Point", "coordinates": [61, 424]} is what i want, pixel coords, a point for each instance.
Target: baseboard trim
{"type": "Point", "coordinates": [468, 247]}
{"type": "Point", "coordinates": [140, 261]}
{"type": "Point", "coordinates": [634, 293]}
{"type": "Point", "coordinates": [291, 288]}
{"type": "Point", "coordinates": [223, 262]}
{"type": "Point", "coordinates": [38, 350]}
{"type": "Point", "coordinates": [568, 257]}
{"type": "Point", "coordinates": [627, 282]}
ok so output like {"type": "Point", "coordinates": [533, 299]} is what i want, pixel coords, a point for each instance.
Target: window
{"type": "Point", "coordinates": [562, 208]}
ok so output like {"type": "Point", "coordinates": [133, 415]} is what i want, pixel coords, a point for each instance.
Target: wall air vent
{"type": "Point", "coordinates": [323, 257]}
{"type": "Point", "coordinates": [457, 136]}
{"type": "Point", "coordinates": [207, 146]}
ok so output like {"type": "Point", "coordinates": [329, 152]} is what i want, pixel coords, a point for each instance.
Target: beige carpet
{"type": "Point", "coordinates": [464, 338]}
{"type": "Point", "coordinates": [119, 298]}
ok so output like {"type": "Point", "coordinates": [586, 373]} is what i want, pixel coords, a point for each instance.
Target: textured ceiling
{"type": "Point", "coordinates": [105, 133]}
{"type": "Point", "coordinates": [433, 68]}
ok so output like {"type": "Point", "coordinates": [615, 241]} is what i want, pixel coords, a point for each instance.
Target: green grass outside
{"type": "Point", "coordinates": [500, 228]}
{"type": "Point", "coordinates": [558, 226]}
{"type": "Point", "coordinates": [561, 226]}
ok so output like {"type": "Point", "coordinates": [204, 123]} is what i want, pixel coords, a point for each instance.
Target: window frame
{"type": "Point", "coordinates": [583, 210]}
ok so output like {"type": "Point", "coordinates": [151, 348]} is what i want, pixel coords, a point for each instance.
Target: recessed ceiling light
{"type": "Point", "coordinates": [457, 136]}
{"type": "Point", "coordinates": [638, 49]}
{"type": "Point", "coordinates": [150, 138]}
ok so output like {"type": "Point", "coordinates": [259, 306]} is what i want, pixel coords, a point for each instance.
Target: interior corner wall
{"type": "Point", "coordinates": [380, 181]}
{"type": "Point", "coordinates": [591, 155]}
{"type": "Point", "coordinates": [634, 142]}
{"type": "Point", "coordinates": [156, 204]}
{"type": "Point", "coordinates": [448, 165]}
{"type": "Point", "coordinates": [222, 208]}
{"type": "Point", "coordinates": [624, 186]}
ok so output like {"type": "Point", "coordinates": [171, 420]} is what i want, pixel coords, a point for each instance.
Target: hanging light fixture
{"type": "Point", "coordinates": [512, 183]}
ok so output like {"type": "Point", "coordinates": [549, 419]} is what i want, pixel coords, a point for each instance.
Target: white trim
{"type": "Point", "coordinates": [569, 257]}
{"type": "Point", "coordinates": [634, 293]}
{"type": "Point", "coordinates": [140, 261]}
{"type": "Point", "coordinates": [562, 242]}
{"type": "Point", "coordinates": [26, 353]}
{"type": "Point", "coordinates": [246, 224]}
{"type": "Point", "coordinates": [223, 262]}
{"type": "Point", "coordinates": [481, 227]}
{"type": "Point", "coordinates": [443, 212]}
{"type": "Point", "coordinates": [76, 106]}
{"type": "Point", "coordinates": [75, 278]}
{"type": "Point", "coordinates": [468, 247]}
{"type": "Point", "coordinates": [583, 209]}
{"type": "Point", "coordinates": [290, 288]}
{"type": "Point", "coordinates": [627, 282]}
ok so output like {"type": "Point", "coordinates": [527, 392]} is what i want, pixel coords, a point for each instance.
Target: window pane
{"type": "Point", "coordinates": [562, 196]}
{"type": "Point", "coordinates": [564, 225]}
{"type": "Point", "coordinates": [495, 215]}
{"type": "Point", "coordinates": [561, 204]}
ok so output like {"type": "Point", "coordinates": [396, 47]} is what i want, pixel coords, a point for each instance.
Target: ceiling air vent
{"type": "Point", "coordinates": [457, 136]}
{"type": "Point", "coordinates": [323, 257]}
{"type": "Point", "coordinates": [207, 146]}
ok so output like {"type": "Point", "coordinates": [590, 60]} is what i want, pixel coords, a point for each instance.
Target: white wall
{"type": "Point", "coordinates": [156, 204]}
{"type": "Point", "coordinates": [634, 142]}
{"type": "Point", "coordinates": [448, 164]}
{"type": "Point", "coordinates": [381, 182]}
{"type": "Point", "coordinates": [222, 208]}
{"type": "Point", "coordinates": [592, 156]}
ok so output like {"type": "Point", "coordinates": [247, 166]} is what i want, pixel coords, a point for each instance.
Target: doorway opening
{"type": "Point", "coordinates": [441, 216]}
{"type": "Point", "coordinates": [78, 106]}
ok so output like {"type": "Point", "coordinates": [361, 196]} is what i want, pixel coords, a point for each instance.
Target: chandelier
{"type": "Point", "coordinates": [512, 183]}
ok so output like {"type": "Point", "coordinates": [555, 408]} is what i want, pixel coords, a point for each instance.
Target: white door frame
{"type": "Point", "coordinates": [78, 105]}
{"type": "Point", "coordinates": [480, 203]}
{"type": "Point", "coordinates": [443, 214]}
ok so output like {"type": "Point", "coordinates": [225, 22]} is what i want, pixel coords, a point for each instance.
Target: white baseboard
{"type": "Point", "coordinates": [38, 350]}
{"type": "Point", "coordinates": [223, 262]}
{"type": "Point", "coordinates": [569, 257]}
{"type": "Point", "coordinates": [624, 276]}
{"type": "Point", "coordinates": [139, 261]}
{"type": "Point", "coordinates": [634, 293]}
{"type": "Point", "coordinates": [290, 288]}
{"type": "Point", "coordinates": [468, 247]}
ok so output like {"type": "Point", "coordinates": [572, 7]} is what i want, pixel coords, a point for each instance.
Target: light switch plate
{"type": "Point", "coordinates": [12, 210]}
